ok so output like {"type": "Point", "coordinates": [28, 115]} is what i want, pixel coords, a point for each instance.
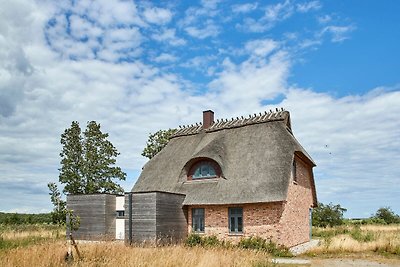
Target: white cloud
{"type": "Point", "coordinates": [307, 6]}
{"type": "Point", "coordinates": [244, 8]}
{"type": "Point", "coordinates": [261, 47]}
{"type": "Point", "coordinates": [157, 15]}
{"type": "Point", "coordinates": [169, 36]}
{"type": "Point", "coordinates": [164, 57]}
{"type": "Point", "coordinates": [273, 14]}
{"type": "Point", "coordinates": [241, 88]}
{"type": "Point", "coordinates": [324, 19]}
{"type": "Point", "coordinates": [278, 12]}
{"type": "Point", "coordinates": [338, 33]}
{"type": "Point", "coordinates": [209, 30]}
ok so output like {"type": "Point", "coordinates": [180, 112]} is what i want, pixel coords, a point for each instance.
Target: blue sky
{"type": "Point", "coordinates": [136, 67]}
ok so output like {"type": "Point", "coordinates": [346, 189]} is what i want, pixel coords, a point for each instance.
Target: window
{"type": "Point", "coordinates": [235, 220]}
{"type": "Point", "coordinates": [204, 169]}
{"type": "Point", "coordinates": [120, 213]}
{"type": "Point", "coordinates": [294, 170]}
{"type": "Point", "coordinates": [198, 220]}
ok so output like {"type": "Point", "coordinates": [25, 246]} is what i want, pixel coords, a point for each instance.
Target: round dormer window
{"type": "Point", "coordinates": [204, 169]}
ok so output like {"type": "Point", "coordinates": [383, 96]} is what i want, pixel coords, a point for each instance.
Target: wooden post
{"type": "Point", "coordinates": [75, 245]}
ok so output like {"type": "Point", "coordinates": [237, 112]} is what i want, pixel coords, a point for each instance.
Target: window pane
{"type": "Point", "coordinates": [197, 173]}
{"type": "Point", "coordinates": [201, 227]}
{"type": "Point", "coordinates": [240, 224]}
{"type": "Point", "coordinates": [232, 224]}
{"type": "Point", "coordinates": [205, 169]}
{"type": "Point", "coordinates": [198, 220]}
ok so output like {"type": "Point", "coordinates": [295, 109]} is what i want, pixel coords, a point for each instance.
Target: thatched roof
{"type": "Point", "coordinates": [255, 155]}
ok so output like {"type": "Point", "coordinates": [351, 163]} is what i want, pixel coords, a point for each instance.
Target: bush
{"type": "Point", "coordinates": [193, 240]}
{"type": "Point", "coordinates": [210, 241]}
{"type": "Point", "coordinates": [259, 243]}
{"type": "Point", "coordinates": [256, 243]}
{"type": "Point", "coordinates": [358, 235]}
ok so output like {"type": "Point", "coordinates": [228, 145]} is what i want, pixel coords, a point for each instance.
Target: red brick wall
{"type": "Point", "coordinates": [286, 223]}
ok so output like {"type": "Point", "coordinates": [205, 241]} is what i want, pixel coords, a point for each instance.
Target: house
{"type": "Point", "coordinates": [229, 178]}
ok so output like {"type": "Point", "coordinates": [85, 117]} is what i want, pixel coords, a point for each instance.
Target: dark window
{"type": "Point", "coordinates": [236, 220]}
{"type": "Point", "coordinates": [204, 170]}
{"type": "Point", "coordinates": [120, 213]}
{"type": "Point", "coordinates": [198, 220]}
{"type": "Point", "coordinates": [294, 171]}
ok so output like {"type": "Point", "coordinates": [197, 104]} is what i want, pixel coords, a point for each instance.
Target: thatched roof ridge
{"type": "Point", "coordinates": [218, 125]}
{"type": "Point", "coordinates": [255, 156]}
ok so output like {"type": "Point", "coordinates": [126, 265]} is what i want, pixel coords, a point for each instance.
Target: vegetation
{"type": "Point", "coordinates": [41, 245]}
{"type": "Point", "coordinates": [328, 215]}
{"type": "Point", "coordinates": [59, 213]}
{"type": "Point", "coordinates": [382, 239]}
{"type": "Point", "coordinates": [88, 161]}
{"type": "Point", "coordinates": [23, 219]}
{"type": "Point", "coordinates": [156, 142]}
{"type": "Point", "coordinates": [253, 243]}
{"type": "Point", "coordinates": [386, 215]}
{"type": "Point", "coordinates": [16, 236]}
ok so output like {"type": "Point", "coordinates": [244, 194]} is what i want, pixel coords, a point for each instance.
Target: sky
{"type": "Point", "coordinates": [137, 67]}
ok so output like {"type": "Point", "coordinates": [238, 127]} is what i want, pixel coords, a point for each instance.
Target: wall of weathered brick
{"type": "Point", "coordinates": [286, 223]}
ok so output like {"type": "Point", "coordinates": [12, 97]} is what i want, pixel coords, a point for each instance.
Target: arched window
{"type": "Point", "coordinates": [204, 169]}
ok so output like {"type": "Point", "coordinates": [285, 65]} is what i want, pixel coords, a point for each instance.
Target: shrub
{"type": "Point", "coordinates": [259, 243]}
{"type": "Point", "coordinates": [358, 235]}
{"type": "Point", "coordinates": [210, 241]}
{"type": "Point", "coordinates": [193, 240]}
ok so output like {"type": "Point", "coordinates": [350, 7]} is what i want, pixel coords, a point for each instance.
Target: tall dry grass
{"type": "Point", "coordinates": [117, 254]}
{"type": "Point", "coordinates": [9, 233]}
{"type": "Point", "coordinates": [384, 239]}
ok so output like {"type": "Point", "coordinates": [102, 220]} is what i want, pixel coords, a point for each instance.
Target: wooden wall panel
{"type": "Point", "coordinates": [97, 215]}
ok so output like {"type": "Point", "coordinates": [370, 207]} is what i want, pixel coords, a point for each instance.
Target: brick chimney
{"type": "Point", "coordinates": [208, 118]}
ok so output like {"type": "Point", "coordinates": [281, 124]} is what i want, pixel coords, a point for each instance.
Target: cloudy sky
{"type": "Point", "coordinates": [137, 67]}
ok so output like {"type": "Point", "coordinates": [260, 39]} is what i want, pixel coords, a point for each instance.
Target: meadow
{"type": "Point", "coordinates": [46, 246]}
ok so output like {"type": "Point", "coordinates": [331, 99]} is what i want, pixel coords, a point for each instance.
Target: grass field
{"type": "Point", "coordinates": [382, 239]}
{"type": "Point", "coordinates": [46, 246]}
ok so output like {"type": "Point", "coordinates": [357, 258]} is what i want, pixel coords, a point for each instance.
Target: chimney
{"type": "Point", "coordinates": [208, 119]}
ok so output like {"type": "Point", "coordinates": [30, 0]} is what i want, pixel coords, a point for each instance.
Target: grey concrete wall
{"type": "Point", "coordinates": [97, 216]}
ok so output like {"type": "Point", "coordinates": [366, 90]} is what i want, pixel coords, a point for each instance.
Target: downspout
{"type": "Point", "coordinates": [130, 217]}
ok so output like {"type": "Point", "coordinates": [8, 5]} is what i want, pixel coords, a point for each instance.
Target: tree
{"type": "Point", "coordinates": [387, 214]}
{"type": "Point", "coordinates": [59, 212]}
{"type": "Point", "coordinates": [88, 161]}
{"type": "Point", "coordinates": [327, 215]}
{"type": "Point", "coordinates": [156, 142]}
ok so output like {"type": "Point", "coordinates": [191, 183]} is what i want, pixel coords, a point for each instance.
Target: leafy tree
{"type": "Point", "coordinates": [88, 161]}
{"type": "Point", "coordinates": [387, 214]}
{"type": "Point", "coordinates": [59, 212]}
{"type": "Point", "coordinates": [328, 215]}
{"type": "Point", "coordinates": [156, 142]}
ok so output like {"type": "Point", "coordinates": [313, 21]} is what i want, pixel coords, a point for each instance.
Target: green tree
{"type": "Point", "coordinates": [156, 142]}
{"type": "Point", "coordinates": [387, 214]}
{"type": "Point", "coordinates": [327, 215]}
{"type": "Point", "coordinates": [88, 161]}
{"type": "Point", "coordinates": [59, 212]}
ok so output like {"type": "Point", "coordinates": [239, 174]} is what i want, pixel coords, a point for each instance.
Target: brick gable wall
{"type": "Point", "coordinates": [286, 223]}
